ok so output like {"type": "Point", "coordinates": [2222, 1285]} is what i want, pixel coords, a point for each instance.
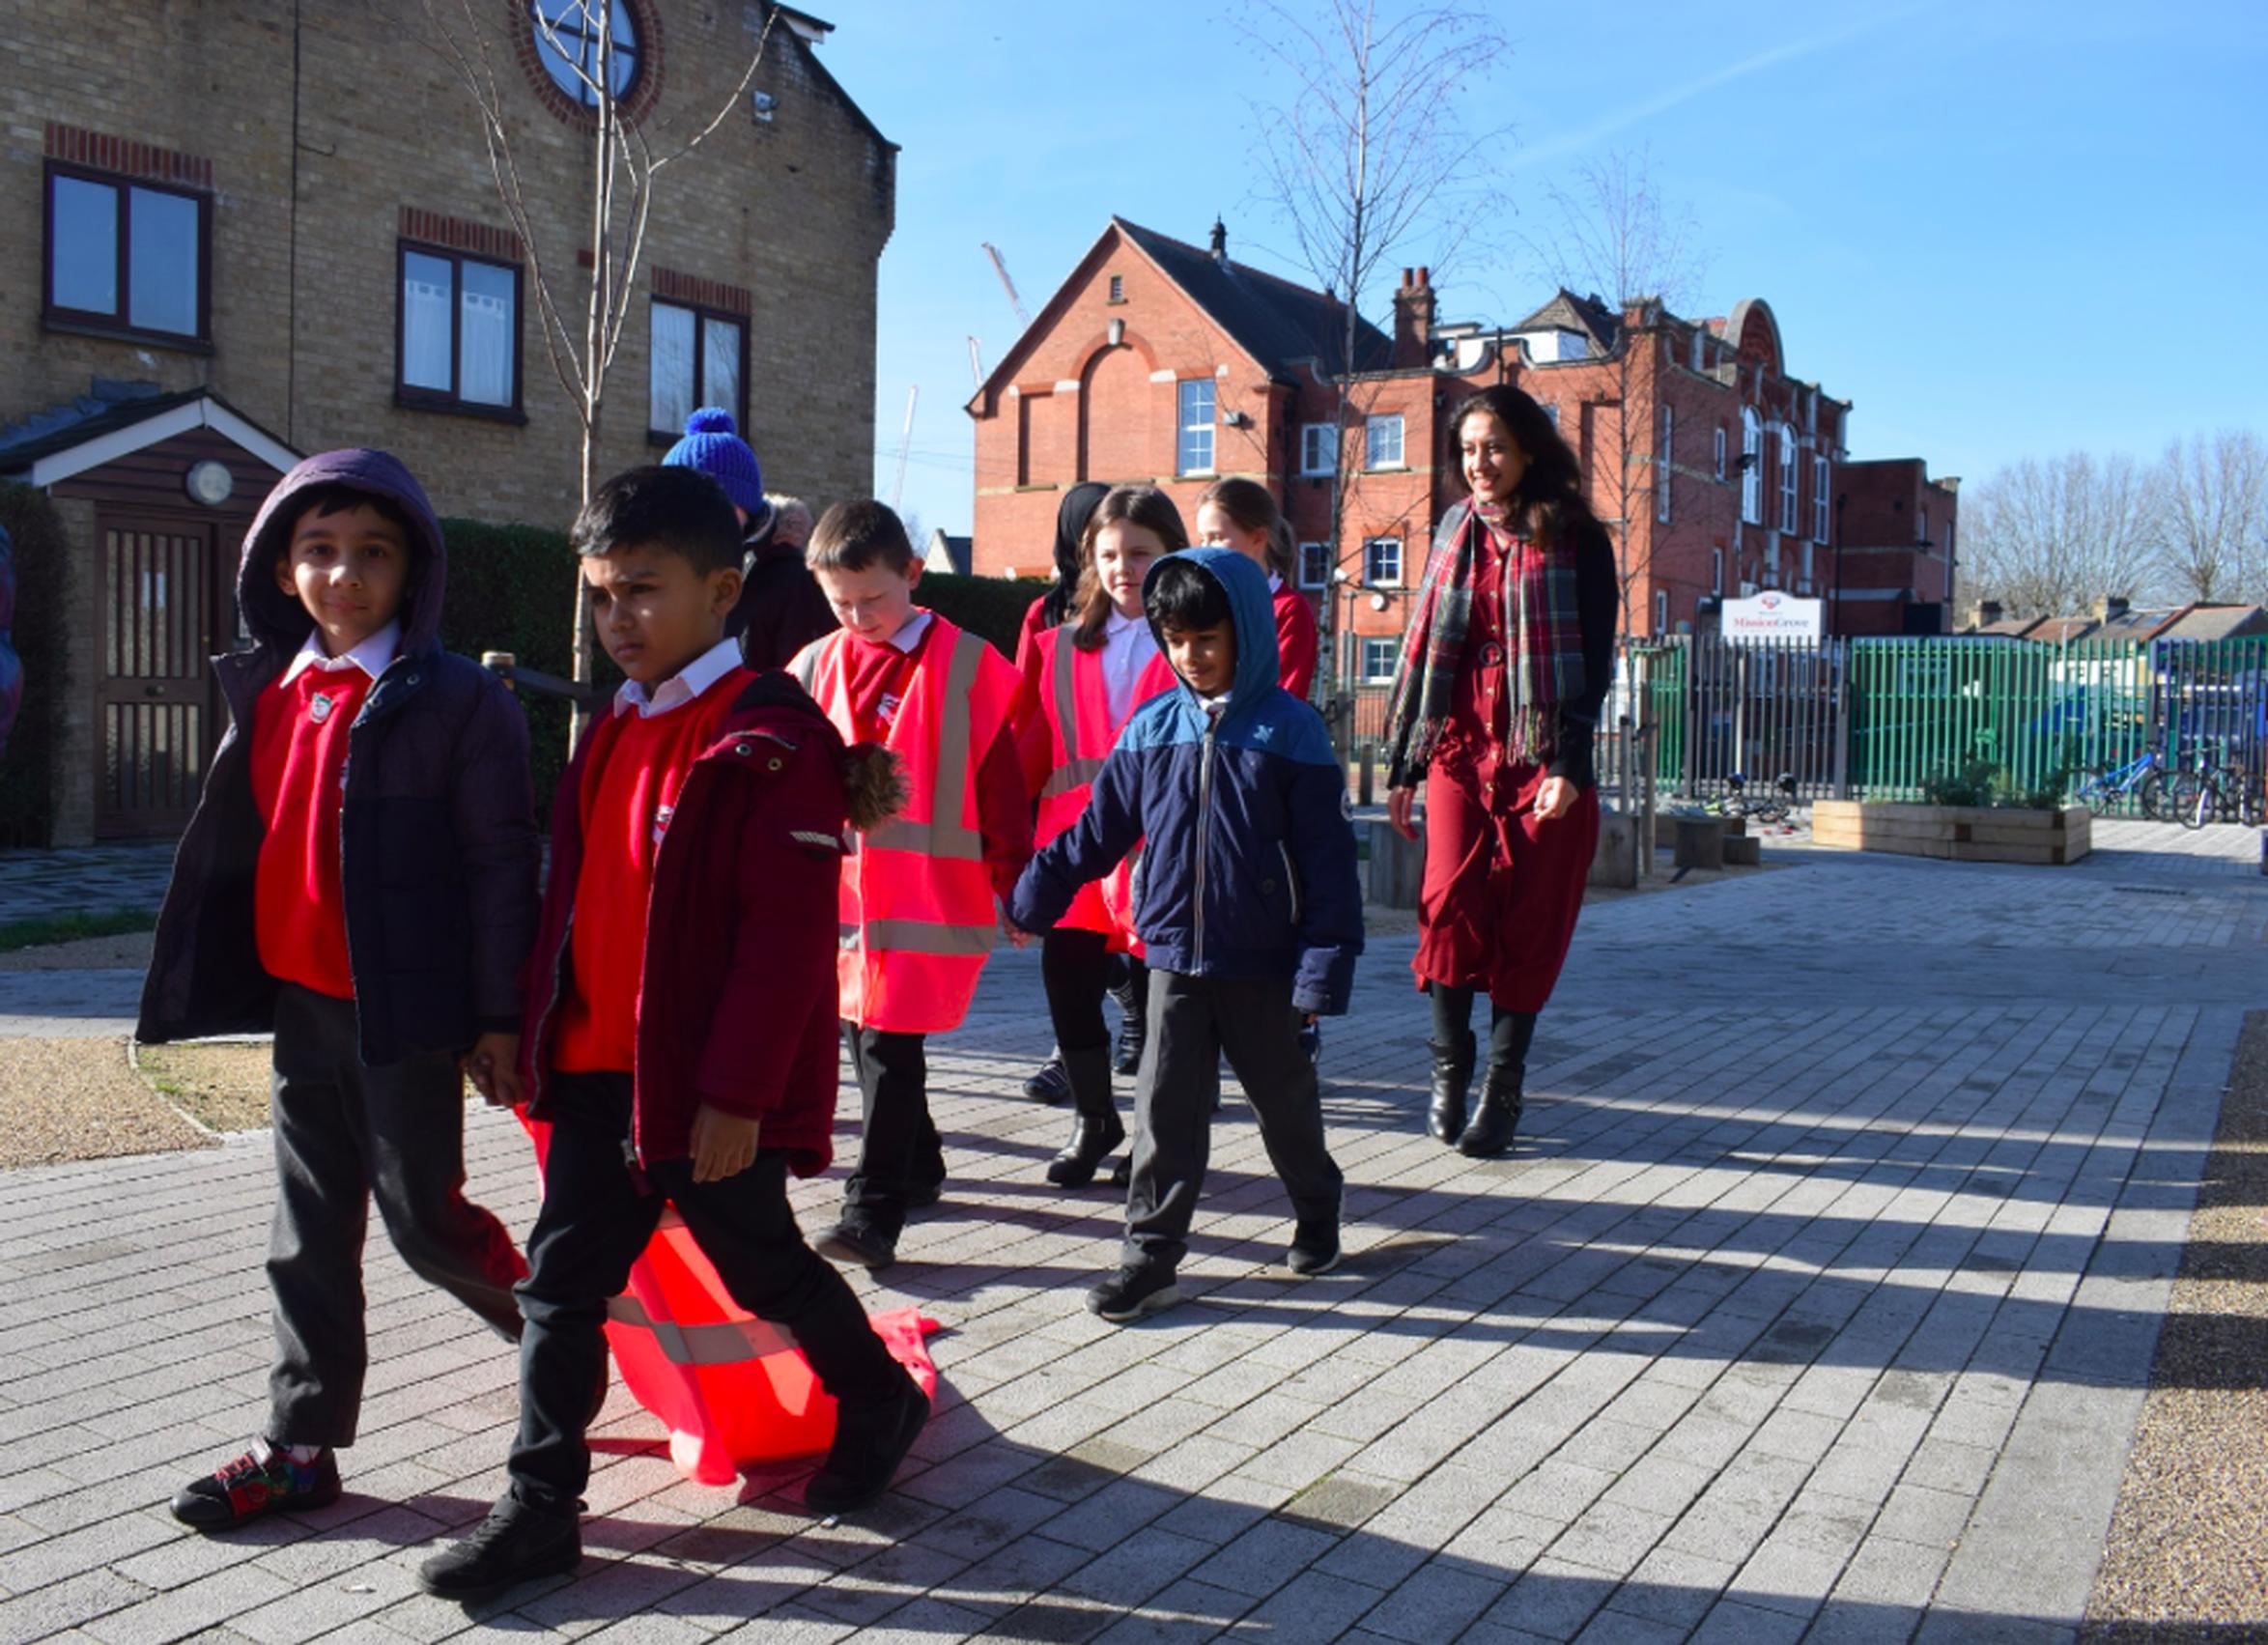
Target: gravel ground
{"type": "Point", "coordinates": [2188, 1557]}
{"type": "Point", "coordinates": [63, 1099]}
{"type": "Point", "coordinates": [223, 1086]}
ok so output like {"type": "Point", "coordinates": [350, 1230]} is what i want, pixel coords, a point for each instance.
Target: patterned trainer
{"type": "Point", "coordinates": [264, 1479]}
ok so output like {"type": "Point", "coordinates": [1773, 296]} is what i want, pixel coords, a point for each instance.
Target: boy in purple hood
{"type": "Point", "coordinates": [359, 878]}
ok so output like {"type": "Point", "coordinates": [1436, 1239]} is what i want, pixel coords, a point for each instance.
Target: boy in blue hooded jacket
{"type": "Point", "coordinates": [1246, 899]}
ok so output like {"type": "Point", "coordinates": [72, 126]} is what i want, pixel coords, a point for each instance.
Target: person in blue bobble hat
{"type": "Point", "coordinates": [782, 609]}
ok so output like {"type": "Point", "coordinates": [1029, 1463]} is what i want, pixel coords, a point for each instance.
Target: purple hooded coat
{"type": "Point", "coordinates": [437, 841]}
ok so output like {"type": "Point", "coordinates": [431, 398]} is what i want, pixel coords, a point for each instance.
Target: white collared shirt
{"type": "Point", "coordinates": [1127, 646]}
{"type": "Point", "coordinates": [682, 686]}
{"type": "Point", "coordinates": [370, 656]}
{"type": "Point", "coordinates": [1275, 583]}
{"type": "Point", "coordinates": [911, 631]}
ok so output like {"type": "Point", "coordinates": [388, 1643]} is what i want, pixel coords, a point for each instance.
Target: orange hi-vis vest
{"type": "Point", "coordinates": [918, 911]}
{"type": "Point", "coordinates": [1076, 701]}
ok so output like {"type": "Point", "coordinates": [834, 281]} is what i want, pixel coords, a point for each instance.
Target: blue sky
{"type": "Point", "coordinates": [2002, 228]}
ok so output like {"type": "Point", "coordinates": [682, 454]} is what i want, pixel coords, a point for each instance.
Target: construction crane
{"type": "Point", "coordinates": [905, 445]}
{"type": "Point", "coordinates": [976, 365]}
{"type": "Point", "coordinates": [1023, 314]}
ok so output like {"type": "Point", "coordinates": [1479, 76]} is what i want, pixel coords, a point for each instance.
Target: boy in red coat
{"type": "Point", "coordinates": [680, 1030]}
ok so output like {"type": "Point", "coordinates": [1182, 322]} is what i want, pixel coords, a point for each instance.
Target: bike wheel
{"type": "Point", "coordinates": [2152, 796]}
{"type": "Point", "coordinates": [2192, 800]}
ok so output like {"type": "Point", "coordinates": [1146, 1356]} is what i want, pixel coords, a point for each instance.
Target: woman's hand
{"type": "Point", "coordinates": [1556, 799]}
{"type": "Point", "coordinates": [1397, 812]}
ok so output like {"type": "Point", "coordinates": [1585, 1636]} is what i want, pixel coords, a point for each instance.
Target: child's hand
{"type": "Point", "coordinates": [1398, 804]}
{"type": "Point", "coordinates": [493, 1065]}
{"type": "Point", "coordinates": [1016, 935]}
{"type": "Point", "coordinates": [724, 1145]}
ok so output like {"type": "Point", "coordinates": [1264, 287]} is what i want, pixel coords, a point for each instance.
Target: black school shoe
{"type": "Point", "coordinates": [1137, 1291]}
{"type": "Point", "coordinates": [871, 1438]}
{"type": "Point", "coordinates": [263, 1481]}
{"type": "Point", "coordinates": [853, 1240]}
{"type": "Point", "coordinates": [514, 1544]}
{"type": "Point", "coordinates": [1314, 1247]}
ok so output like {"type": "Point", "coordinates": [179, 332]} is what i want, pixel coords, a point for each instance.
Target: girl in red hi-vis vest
{"type": "Point", "coordinates": [1242, 515]}
{"type": "Point", "coordinates": [1093, 672]}
{"type": "Point", "coordinates": [921, 893]}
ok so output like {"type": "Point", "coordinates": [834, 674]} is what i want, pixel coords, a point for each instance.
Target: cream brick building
{"type": "Point", "coordinates": [245, 229]}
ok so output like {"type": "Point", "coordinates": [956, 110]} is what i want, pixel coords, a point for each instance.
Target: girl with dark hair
{"type": "Point", "coordinates": [1095, 670]}
{"type": "Point", "coordinates": [1494, 706]}
{"type": "Point", "coordinates": [1242, 515]}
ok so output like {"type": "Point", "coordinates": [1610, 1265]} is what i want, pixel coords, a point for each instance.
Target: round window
{"type": "Point", "coordinates": [585, 43]}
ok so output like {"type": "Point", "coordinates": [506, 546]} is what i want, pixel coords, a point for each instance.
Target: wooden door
{"type": "Point", "coordinates": [161, 596]}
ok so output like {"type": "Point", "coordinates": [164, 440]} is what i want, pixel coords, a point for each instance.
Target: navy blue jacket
{"type": "Point", "coordinates": [437, 841]}
{"type": "Point", "coordinates": [1247, 866]}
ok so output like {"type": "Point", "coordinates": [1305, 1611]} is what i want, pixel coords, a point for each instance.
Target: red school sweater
{"type": "Point", "coordinates": [298, 772]}
{"type": "Point", "coordinates": [637, 766]}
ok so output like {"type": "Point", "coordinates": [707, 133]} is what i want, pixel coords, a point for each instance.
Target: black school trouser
{"type": "Point", "coordinates": [1193, 1021]}
{"type": "Point", "coordinates": [898, 1148]}
{"type": "Point", "coordinates": [596, 1220]}
{"type": "Point", "coordinates": [346, 1135]}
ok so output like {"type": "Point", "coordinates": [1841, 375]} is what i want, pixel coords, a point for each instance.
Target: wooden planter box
{"type": "Point", "coordinates": [1960, 834]}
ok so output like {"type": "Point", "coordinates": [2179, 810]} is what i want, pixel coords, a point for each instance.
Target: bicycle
{"type": "Point", "coordinates": [2142, 781]}
{"type": "Point", "coordinates": [1737, 802]}
{"type": "Point", "coordinates": [2210, 791]}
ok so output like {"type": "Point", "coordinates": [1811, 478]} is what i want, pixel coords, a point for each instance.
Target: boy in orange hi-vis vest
{"type": "Point", "coordinates": [922, 893]}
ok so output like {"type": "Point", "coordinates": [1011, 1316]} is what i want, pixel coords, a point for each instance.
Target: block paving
{"type": "Point", "coordinates": [1817, 1304]}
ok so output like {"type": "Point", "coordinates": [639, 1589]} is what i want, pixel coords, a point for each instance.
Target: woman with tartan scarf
{"type": "Point", "coordinates": [1502, 674]}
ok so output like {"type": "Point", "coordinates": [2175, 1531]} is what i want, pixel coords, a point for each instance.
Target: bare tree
{"type": "Point", "coordinates": [1367, 157]}
{"type": "Point", "coordinates": [2213, 497]}
{"type": "Point", "coordinates": [1611, 231]}
{"type": "Point", "coordinates": [2047, 538]}
{"type": "Point", "coordinates": [583, 327]}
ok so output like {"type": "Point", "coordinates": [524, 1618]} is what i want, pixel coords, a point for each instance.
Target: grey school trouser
{"type": "Point", "coordinates": [1193, 1021]}
{"type": "Point", "coordinates": [344, 1135]}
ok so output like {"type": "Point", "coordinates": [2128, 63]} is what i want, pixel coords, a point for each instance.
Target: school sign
{"type": "Point", "coordinates": [1772, 616]}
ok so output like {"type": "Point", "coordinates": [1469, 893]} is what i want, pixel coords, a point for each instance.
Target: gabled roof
{"type": "Point", "coordinates": [1568, 312]}
{"type": "Point", "coordinates": [118, 420]}
{"type": "Point", "coordinates": [2214, 622]}
{"type": "Point", "coordinates": [1279, 323]}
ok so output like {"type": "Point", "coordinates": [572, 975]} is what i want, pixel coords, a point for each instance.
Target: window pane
{"type": "Point", "coordinates": [84, 250]}
{"type": "Point", "coordinates": [625, 51]}
{"type": "Point", "coordinates": [721, 365]}
{"type": "Point", "coordinates": [670, 398]}
{"type": "Point", "coordinates": [162, 280]}
{"type": "Point", "coordinates": [1383, 443]}
{"type": "Point", "coordinates": [428, 294]}
{"type": "Point", "coordinates": [1194, 455]}
{"type": "Point", "coordinates": [489, 333]}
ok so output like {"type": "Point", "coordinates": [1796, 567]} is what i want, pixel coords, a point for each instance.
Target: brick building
{"type": "Point", "coordinates": [1718, 470]}
{"type": "Point", "coordinates": [253, 231]}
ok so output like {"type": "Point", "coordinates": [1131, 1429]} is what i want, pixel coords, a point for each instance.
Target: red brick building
{"type": "Point", "coordinates": [1717, 470]}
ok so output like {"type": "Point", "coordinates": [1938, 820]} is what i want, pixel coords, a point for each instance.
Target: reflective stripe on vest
{"type": "Point", "coordinates": [945, 835]}
{"type": "Point", "coordinates": [728, 1343]}
{"type": "Point", "coordinates": [920, 937]}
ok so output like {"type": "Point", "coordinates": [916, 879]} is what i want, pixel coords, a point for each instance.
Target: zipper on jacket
{"type": "Point", "coordinates": [1205, 814]}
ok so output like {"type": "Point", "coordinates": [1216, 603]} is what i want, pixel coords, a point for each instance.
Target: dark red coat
{"type": "Point", "coordinates": [737, 998]}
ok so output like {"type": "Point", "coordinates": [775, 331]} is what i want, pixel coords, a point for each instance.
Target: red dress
{"type": "Point", "coordinates": [1502, 890]}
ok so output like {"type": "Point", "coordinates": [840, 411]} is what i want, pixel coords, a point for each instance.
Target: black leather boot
{"type": "Point", "coordinates": [1496, 1123]}
{"type": "Point", "coordinates": [1097, 1128]}
{"type": "Point", "coordinates": [1453, 1078]}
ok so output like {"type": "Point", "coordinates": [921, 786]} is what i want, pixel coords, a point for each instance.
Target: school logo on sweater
{"type": "Point", "coordinates": [319, 710]}
{"type": "Point", "coordinates": [662, 816]}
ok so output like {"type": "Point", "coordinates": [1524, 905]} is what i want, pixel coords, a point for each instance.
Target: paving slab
{"type": "Point", "coordinates": [1817, 1302]}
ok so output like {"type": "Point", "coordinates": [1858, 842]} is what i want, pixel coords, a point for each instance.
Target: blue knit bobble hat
{"type": "Point", "coordinates": [713, 445]}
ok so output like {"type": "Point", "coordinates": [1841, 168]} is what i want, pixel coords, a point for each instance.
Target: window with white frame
{"type": "Point", "coordinates": [1661, 611]}
{"type": "Point", "coordinates": [1194, 454]}
{"type": "Point", "coordinates": [1752, 465]}
{"type": "Point", "coordinates": [1819, 486]}
{"type": "Point", "coordinates": [1807, 566]}
{"type": "Point", "coordinates": [1318, 448]}
{"type": "Point", "coordinates": [1717, 572]}
{"type": "Point", "coordinates": [1380, 653]}
{"type": "Point", "coordinates": [1661, 465]}
{"type": "Point", "coordinates": [1315, 565]}
{"type": "Point", "coordinates": [1118, 288]}
{"type": "Point", "coordinates": [1771, 566]}
{"type": "Point", "coordinates": [1788, 478]}
{"type": "Point", "coordinates": [1381, 561]}
{"type": "Point", "coordinates": [1720, 451]}
{"type": "Point", "coordinates": [1381, 442]}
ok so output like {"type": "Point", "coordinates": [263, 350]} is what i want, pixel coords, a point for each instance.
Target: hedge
{"type": "Point", "coordinates": [993, 606]}
{"type": "Point", "coordinates": [27, 775]}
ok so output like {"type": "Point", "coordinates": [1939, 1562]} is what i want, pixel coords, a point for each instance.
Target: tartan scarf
{"type": "Point", "coordinates": [1543, 624]}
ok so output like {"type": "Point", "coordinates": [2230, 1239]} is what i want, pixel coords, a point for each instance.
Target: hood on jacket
{"type": "Point", "coordinates": [1252, 614]}
{"type": "Point", "coordinates": [1072, 515]}
{"type": "Point", "coordinates": [277, 619]}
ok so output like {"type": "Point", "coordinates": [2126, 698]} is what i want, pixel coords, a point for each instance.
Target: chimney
{"type": "Point", "coordinates": [1220, 241]}
{"type": "Point", "coordinates": [1988, 612]}
{"type": "Point", "coordinates": [1414, 318]}
{"type": "Point", "coordinates": [2110, 607]}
